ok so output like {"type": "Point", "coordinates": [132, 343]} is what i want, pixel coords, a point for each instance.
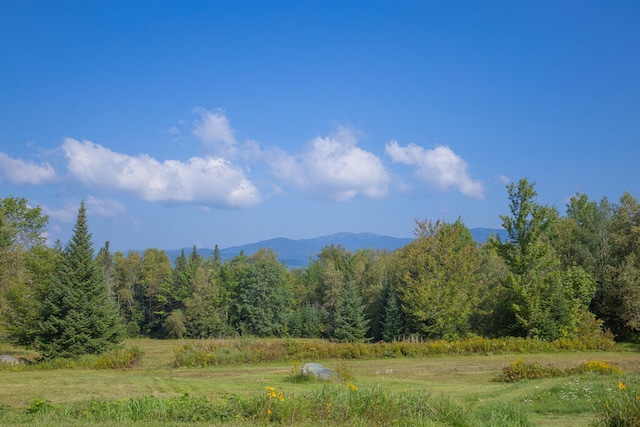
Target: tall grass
{"type": "Point", "coordinates": [230, 352]}
{"type": "Point", "coordinates": [123, 358]}
{"type": "Point", "coordinates": [333, 404]}
{"type": "Point", "coordinates": [621, 407]}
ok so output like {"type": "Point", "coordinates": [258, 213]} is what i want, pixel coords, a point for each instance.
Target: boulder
{"type": "Point", "coordinates": [4, 358]}
{"type": "Point", "coordinates": [318, 371]}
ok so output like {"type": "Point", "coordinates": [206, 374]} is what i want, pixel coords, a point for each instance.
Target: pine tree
{"type": "Point", "coordinates": [351, 323]}
{"type": "Point", "coordinates": [78, 315]}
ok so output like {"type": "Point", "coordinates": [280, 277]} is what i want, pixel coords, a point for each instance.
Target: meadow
{"type": "Point", "coordinates": [160, 388]}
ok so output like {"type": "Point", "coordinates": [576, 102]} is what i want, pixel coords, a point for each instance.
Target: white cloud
{"type": "Point", "coordinates": [18, 171]}
{"type": "Point", "coordinates": [104, 207]}
{"type": "Point", "coordinates": [66, 214]}
{"type": "Point", "coordinates": [440, 167]}
{"type": "Point", "coordinates": [504, 179]}
{"type": "Point", "coordinates": [214, 131]}
{"type": "Point", "coordinates": [210, 181]}
{"type": "Point", "coordinates": [333, 168]}
{"type": "Point", "coordinates": [95, 206]}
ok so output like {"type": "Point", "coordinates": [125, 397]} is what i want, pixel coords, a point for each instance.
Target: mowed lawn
{"type": "Point", "coordinates": [467, 380]}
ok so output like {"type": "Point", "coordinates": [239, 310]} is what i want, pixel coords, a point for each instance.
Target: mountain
{"type": "Point", "coordinates": [298, 253]}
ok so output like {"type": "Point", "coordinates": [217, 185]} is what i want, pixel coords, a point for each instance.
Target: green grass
{"type": "Point", "coordinates": [434, 390]}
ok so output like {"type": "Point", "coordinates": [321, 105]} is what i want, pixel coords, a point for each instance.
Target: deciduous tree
{"type": "Point", "coordinates": [436, 281]}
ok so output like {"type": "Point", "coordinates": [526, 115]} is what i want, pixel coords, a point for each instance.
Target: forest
{"type": "Point", "coordinates": [557, 275]}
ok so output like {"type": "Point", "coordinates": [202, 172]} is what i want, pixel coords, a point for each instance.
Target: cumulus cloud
{"type": "Point", "coordinates": [104, 207]}
{"type": "Point", "coordinates": [95, 207]}
{"type": "Point", "coordinates": [440, 167]}
{"type": "Point", "coordinates": [66, 214]}
{"type": "Point", "coordinates": [17, 171]}
{"type": "Point", "coordinates": [215, 132]}
{"type": "Point", "coordinates": [201, 180]}
{"type": "Point", "coordinates": [333, 168]}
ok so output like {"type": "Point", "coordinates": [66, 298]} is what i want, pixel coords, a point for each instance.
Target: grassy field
{"type": "Point", "coordinates": [464, 381]}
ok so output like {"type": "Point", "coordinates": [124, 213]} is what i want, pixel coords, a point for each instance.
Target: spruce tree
{"type": "Point", "coordinates": [392, 322]}
{"type": "Point", "coordinates": [351, 323]}
{"type": "Point", "coordinates": [78, 314]}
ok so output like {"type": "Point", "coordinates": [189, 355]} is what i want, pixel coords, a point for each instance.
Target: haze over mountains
{"type": "Point", "coordinates": [298, 253]}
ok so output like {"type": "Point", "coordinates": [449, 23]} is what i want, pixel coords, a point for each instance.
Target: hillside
{"type": "Point", "coordinates": [298, 253]}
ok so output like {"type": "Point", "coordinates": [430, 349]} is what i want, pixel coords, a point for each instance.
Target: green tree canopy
{"type": "Point", "coordinates": [436, 282]}
{"type": "Point", "coordinates": [539, 297]}
{"type": "Point", "coordinates": [262, 299]}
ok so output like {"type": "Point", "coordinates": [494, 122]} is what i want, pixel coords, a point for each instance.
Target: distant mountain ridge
{"type": "Point", "coordinates": [298, 253]}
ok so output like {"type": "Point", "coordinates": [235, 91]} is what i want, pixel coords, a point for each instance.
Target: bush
{"type": "Point", "coordinates": [520, 370]}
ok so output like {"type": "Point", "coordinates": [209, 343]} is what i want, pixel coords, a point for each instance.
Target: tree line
{"type": "Point", "coordinates": [554, 276]}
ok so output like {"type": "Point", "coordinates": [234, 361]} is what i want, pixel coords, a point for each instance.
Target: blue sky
{"type": "Point", "coordinates": [203, 123]}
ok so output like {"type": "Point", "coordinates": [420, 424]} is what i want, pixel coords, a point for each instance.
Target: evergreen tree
{"type": "Point", "coordinates": [78, 315]}
{"type": "Point", "coordinates": [105, 260]}
{"type": "Point", "coordinates": [307, 321]}
{"type": "Point", "coordinates": [351, 323]}
{"type": "Point", "coordinates": [216, 255]}
{"type": "Point", "coordinates": [393, 321]}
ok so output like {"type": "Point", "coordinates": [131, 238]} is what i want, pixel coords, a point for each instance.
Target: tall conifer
{"type": "Point", "coordinates": [78, 314]}
{"type": "Point", "coordinates": [351, 323]}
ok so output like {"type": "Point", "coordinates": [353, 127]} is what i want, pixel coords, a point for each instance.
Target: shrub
{"type": "Point", "coordinates": [597, 367]}
{"type": "Point", "coordinates": [521, 370]}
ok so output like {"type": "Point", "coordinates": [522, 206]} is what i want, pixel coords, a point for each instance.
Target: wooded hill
{"type": "Point", "coordinates": [555, 275]}
{"type": "Point", "coordinates": [298, 253]}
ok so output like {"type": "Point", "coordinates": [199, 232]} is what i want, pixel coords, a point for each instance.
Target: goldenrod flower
{"type": "Point", "coordinates": [621, 386]}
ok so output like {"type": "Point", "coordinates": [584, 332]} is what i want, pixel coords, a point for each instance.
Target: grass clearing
{"type": "Point", "coordinates": [457, 388]}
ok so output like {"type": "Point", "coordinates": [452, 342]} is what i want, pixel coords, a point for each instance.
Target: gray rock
{"type": "Point", "coordinates": [4, 358]}
{"type": "Point", "coordinates": [318, 371]}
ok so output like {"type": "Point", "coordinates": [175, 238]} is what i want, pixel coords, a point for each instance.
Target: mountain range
{"type": "Point", "coordinates": [298, 253]}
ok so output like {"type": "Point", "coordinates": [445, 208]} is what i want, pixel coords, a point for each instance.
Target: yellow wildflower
{"type": "Point", "coordinates": [621, 386]}
{"type": "Point", "coordinates": [352, 387]}
{"type": "Point", "coordinates": [280, 396]}
{"type": "Point", "coordinates": [271, 392]}
{"type": "Point", "coordinates": [268, 411]}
